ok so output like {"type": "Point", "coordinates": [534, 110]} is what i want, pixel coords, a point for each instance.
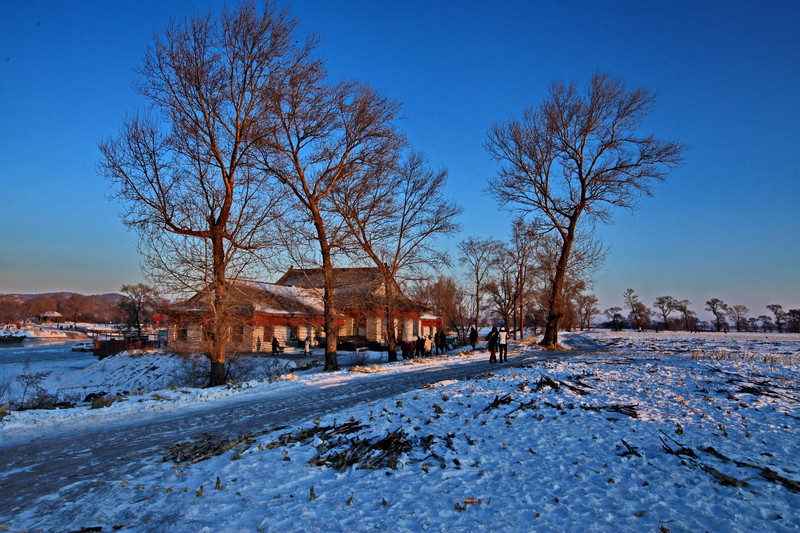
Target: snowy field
{"type": "Point", "coordinates": [640, 432]}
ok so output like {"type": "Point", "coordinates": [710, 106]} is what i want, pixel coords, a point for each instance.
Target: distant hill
{"type": "Point", "coordinates": [110, 296]}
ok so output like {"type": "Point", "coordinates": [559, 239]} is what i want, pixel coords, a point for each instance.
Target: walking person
{"type": "Point", "coordinates": [492, 341]}
{"type": "Point", "coordinates": [428, 346]}
{"type": "Point", "coordinates": [473, 337]}
{"type": "Point", "coordinates": [307, 347]}
{"type": "Point", "coordinates": [502, 341]}
{"type": "Point", "coordinates": [274, 347]}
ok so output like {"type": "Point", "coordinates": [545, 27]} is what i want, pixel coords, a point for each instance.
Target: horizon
{"type": "Point", "coordinates": [723, 225]}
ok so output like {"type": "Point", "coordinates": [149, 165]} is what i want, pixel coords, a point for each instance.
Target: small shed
{"type": "Point", "coordinates": [49, 317]}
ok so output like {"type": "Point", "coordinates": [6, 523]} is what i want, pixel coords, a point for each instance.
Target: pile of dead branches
{"type": "Point", "coordinates": [371, 454]}
{"type": "Point", "coordinates": [205, 447]}
{"type": "Point", "coordinates": [629, 410]}
{"type": "Point", "coordinates": [325, 433]}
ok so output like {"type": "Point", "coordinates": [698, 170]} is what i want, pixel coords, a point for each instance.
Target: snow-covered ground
{"type": "Point", "coordinates": [667, 431]}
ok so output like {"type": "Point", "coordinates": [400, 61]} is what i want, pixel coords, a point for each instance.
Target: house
{"type": "Point", "coordinates": [360, 297]}
{"type": "Point", "coordinates": [259, 312]}
{"type": "Point", "coordinates": [292, 310]}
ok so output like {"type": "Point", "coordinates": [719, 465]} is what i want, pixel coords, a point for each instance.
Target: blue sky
{"type": "Point", "coordinates": [726, 224]}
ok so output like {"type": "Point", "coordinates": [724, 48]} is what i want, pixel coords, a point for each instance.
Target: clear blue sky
{"type": "Point", "coordinates": [726, 225]}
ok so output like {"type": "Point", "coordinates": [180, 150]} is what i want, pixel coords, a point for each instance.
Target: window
{"type": "Point", "coordinates": [181, 334]}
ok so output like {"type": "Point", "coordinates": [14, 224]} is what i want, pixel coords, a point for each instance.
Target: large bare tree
{"type": "Point", "coordinates": [185, 170]}
{"type": "Point", "coordinates": [327, 133]}
{"type": "Point", "coordinates": [568, 161]}
{"type": "Point", "coordinates": [395, 215]}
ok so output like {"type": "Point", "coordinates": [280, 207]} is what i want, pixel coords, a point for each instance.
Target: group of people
{"type": "Point", "coordinates": [424, 345]}
{"type": "Point", "coordinates": [497, 343]}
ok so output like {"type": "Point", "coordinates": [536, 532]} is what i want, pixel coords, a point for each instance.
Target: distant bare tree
{"type": "Point", "coordinates": [395, 216]}
{"type": "Point", "coordinates": [689, 316]}
{"type": "Point", "coordinates": [586, 304]}
{"type": "Point", "coordinates": [793, 321]}
{"type": "Point", "coordinates": [780, 315]}
{"type": "Point", "coordinates": [137, 305]}
{"type": "Point", "coordinates": [502, 283]}
{"type": "Point", "coordinates": [639, 314]}
{"type": "Point", "coordinates": [738, 315]}
{"type": "Point", "coordinates": [614, 314]}
{"type": "Point", "coordinates": [327, 134]}
{"type": "Point", "coordinates": [665, 306]}
{"type": "Point", "coordinates": [447, 299]}
{"type": "Point", "coordinates": [572, 159]}
{"type": "Point", "coordinates": [186, 172]}
{"type": "Point", "coordinates": [719, 309]}
{"type": "Point", "coordinates": [766, 323]}
{"type": "Point", "coordinates": [477, 255]}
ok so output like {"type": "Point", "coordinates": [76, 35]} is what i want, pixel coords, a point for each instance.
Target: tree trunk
{"type": "Point", "coordinates": [391, 334]}
{"type": "Point", "coordinates": [556, 299]}
{"type": "Point", "coordinates": [331, 332]}
{"type": "Point", "coordinates": [219, 318]}
{"type": "Point", "coordinates": [477, 300]}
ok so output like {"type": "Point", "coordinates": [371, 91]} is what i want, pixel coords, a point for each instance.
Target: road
{"type": "Point", "coordinates": [42, 468]}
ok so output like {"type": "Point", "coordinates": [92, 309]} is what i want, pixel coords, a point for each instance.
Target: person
{"type": "Point", "coordinates": [274, 346]}
{"type": "Point", "coordinates": [428, 346]}
{"type": "Point", "coordinates": [492, 341]}
{"type": "Point", "coordinates": [473, 337]}
{"type": "Point", "coordinates": [502, 341]}
{"type": "Point", "coordinates": [419, 346]}
{"type": "Point", "coordinates": [307, 347]}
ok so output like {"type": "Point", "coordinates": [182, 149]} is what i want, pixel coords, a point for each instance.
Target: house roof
{"type": "Point", "coordinates": [265, 298]}
{"type": "Point", "coordinates": [355, 288]}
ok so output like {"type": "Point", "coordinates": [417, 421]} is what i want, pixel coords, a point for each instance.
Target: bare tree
{"type": "Point", "coordinates": [738, 314]}
{"type": "Point", "coordinates": [446, 298]}
{"type": "Point", "coordinates": [137, 305]}
{"type": "Point", "coordinates": [573, 158]}
{"type": "Point", "coordinates": [665, 306]}
{"type": "Point", "coordinates": [793, 321]}
{"type": "Point", "coordinates": [586, 304]}
{"type": "Point", "coordinates": [719, 309]}
{"type": "Point", "coordinates": [614, 314]}
{"type": "Point", "coordinates": [185, 172]}
{"type": "Point", "coordinates": [689, 316]}
{"type": "Point", "coordinates": [477, 255]}
{"type": "Point", "coordinates": [503, 282]}
{"type": "Point", "coordinates": [525, 238]}
{"type": "Point", "coordinates": [327, 134]}
{"type": "Point", "coordinates": [780, 315]}
{"type": "Point", "coordinates": [395, 216]}
{"type": "Point", "coordinates": [639, 314]}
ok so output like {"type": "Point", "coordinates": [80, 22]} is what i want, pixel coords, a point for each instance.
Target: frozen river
{"type": "Point", "coordinates": [41, 351]}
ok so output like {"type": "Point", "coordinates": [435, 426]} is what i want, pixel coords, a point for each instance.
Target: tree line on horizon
{"type": "Point", "coordinates": [725, 317]}
{"type": "Point", "coordinates": [251, 157]}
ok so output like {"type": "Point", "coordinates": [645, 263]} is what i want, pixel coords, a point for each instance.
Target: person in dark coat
{"type": "Point", "coordinates": [274, 346]}
{"type": "Point", "coordinates": [473, 337]}
{"type": "Point", "coordinates": [420, 347]}
{"type": "Point", "coordinates": [492, 341]}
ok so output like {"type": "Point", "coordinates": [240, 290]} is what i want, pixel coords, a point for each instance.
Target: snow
{"type": "Point", "coordinates": [529, 456]}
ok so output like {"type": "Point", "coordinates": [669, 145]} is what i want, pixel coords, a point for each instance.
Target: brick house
{"type": "Point", "coordinates": [360, 297]}
{"type": "Point", "coordinates": [292, 310]}
{"type": "Point", "coordinates": [260, 312]}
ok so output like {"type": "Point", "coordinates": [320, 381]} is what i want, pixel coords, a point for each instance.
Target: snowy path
{"type": "Point", "coordinates": [67, 465]}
